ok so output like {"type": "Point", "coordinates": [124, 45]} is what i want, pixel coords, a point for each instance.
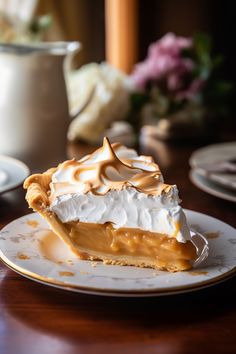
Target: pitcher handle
{"type": "Point", "coordinates": [73, 48]}
{"type": "Point", "coordinates": [77, 111]}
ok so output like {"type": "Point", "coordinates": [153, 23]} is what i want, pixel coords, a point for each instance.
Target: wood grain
{"type": "Point", "coordinates": [39, 319]}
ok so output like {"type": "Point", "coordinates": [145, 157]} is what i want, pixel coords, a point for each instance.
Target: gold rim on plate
{"type": "Point", "coordinates": [99, 291]}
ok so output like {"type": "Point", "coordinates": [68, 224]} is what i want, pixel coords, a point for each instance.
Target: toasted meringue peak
{"type": "Point", "coordinates": [111, 167]}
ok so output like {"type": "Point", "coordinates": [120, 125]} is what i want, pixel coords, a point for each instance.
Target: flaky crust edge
{"type": "Point", "coordinates": [38, 187]}
{"type": "Point", "coordinates": [37, 196]}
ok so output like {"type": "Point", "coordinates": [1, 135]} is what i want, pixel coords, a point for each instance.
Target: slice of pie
{"type": "Point", "coordinates": [113, 206]}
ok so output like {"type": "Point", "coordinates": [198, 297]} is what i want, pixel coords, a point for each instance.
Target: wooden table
{"type": "Point", "coordinates": [39, 319]}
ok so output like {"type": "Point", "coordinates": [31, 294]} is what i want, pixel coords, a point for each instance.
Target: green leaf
{"type": "Point", "coordinates": [40, 23]}
{"type": "Point", "coordinates": [45, 21]}
{"type": "Point", "coordinates": [203, 45]}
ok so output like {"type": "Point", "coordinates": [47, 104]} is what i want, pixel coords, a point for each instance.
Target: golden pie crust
{"type": "Point", "coordinates": [124, 246]}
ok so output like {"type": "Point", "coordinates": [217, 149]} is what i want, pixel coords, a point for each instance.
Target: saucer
{"type": "Point", "coordinates": [28, 247]}
{"type": "Point", "coordinates": [12, 173]}
{"type": "Point", "coordinates": [214, 155]}
{"type": "Point", "coordinates": [225, 180]}
{"type": "Point", "coordinates": [210, 187]}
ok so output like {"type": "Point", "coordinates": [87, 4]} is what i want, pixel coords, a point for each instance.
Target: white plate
{"type": "Point", "coordinates": [29, 248]}
{"type": "Point", "coordinates": [212, 155]}
{"type": "Point", "coordinates": [225, 180]}
{"type": "Point", "coordinates": [210, 187]}
{"type": "Point", "coordinates": [3, 177]}
{"type": "Point", "coordinates": [13, 173]}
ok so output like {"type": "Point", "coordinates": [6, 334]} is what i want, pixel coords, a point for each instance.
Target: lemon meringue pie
{"type": "Point", "coordinates": [114, 206]}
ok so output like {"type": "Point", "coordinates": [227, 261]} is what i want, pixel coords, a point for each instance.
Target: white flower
{"type": "Point", "coordinates": [110, 101]}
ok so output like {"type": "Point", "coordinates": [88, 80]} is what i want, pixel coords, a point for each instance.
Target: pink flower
{"type": "Point", "coordinates": [166, 65]}
{"type": "Point", "coordinates": [170, 44]}
{"type": "Point", "coordinates": [175, 79]}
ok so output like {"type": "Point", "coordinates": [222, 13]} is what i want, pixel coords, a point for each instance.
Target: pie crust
{"type": "Point", "coordinates": [124, 246]}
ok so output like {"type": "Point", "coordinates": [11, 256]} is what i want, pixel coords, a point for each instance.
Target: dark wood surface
{"type": "Point", "coordinates": [38, 319]}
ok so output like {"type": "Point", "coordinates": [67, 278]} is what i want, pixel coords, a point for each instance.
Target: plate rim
{"type": "Point", "coordinates": [20, 164]}
{"type": "Point", "coordinates": [111, 292]}
{"type": "Point", "coordinates": [192, 176]}
{"type": "Point", "coordinates": [213, 177]}
{"type": "Point", "coordinates": [206, 147]}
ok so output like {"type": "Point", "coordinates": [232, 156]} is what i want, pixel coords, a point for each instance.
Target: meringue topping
{"type": "Point", "coordinates": [115, 185]}
{"type": "Point", "coordinates": [111, 167]}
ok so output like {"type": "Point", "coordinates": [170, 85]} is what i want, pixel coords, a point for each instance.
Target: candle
{"type": "Point", "coordinates": [121, 33]}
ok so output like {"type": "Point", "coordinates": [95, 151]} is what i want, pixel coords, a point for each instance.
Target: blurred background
{"type": "Point", "coordinates": [110, 92]}
{"type": "Point", "coordinates": [84, 20]}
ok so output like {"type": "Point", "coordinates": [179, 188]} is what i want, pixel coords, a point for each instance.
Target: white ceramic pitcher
{"type": "Point", "coordinates": [34, 113]}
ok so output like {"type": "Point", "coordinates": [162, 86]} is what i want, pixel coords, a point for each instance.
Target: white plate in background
{"type": "Point", "coordinates": [225, 180]}
{"type": "Point", "coordinates": [220, 184]}
{"type": "Point", "coordinates": [12, 173]}
{"type": "Point", "coordinates": [212, 154]}
{"type": "Point", "coordinates": [210, 187]}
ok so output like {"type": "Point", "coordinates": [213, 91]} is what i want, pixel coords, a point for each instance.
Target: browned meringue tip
{"type": "Point", "coordinates": [107, 146]}
{"type": "Point", "coordinates": [109, 168]}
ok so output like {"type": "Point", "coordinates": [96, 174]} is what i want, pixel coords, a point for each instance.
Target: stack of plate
{"type": "Point", "coordinates": [214, 170]}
